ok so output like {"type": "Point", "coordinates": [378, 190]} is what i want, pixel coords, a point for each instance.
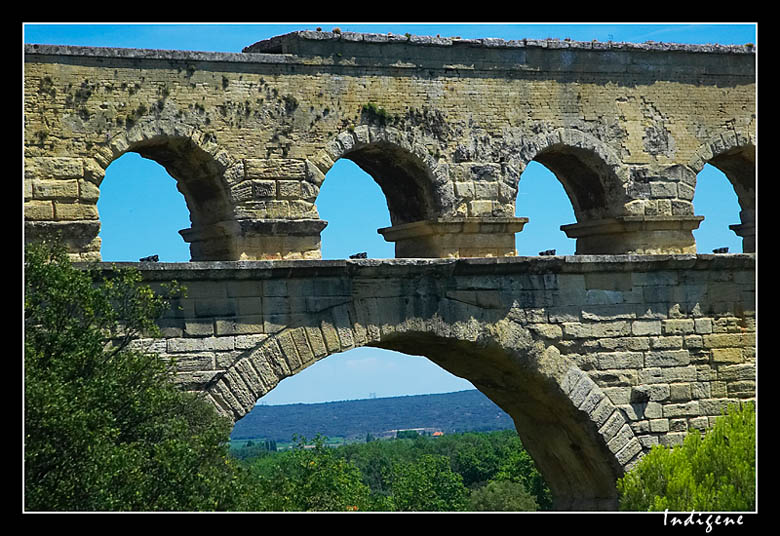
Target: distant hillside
{"type": "Point", "coordinates": [463, 411]}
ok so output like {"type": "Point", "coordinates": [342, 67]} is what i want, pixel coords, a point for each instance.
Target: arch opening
{"type": "Point", "coordinates": [197, 176]}
{"type": "Point", "coordinates": [544, 201]}
{"type": "Point", "coordinates": [403, 178]}
{"type": "Point", "coordinates": [588, 181]}
{"type": "Point", "coordinates": [566, 444]}
{"type": "Point", "coordinates": [364, 373]}
{"type": "Point", "coordinates": [717, 200]}
{"type": "Point", "coordinates": [739, 166]}
{"type": "Point", "coordinates": [354, 206]}
{"type": "Point", "coordinates": [141, 212]}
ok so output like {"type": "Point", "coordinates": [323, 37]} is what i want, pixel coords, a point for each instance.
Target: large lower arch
{"type": "Point", "coordinates": [580, 441]}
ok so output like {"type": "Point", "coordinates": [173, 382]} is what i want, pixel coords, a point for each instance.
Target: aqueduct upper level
{"type": "Point", "coordinates": [445, 126]}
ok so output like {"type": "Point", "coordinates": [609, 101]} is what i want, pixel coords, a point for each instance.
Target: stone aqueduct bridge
{"type": "Point", "coordinates": [633, 341]}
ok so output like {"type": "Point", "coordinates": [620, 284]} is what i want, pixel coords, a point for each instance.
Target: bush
{"type": "Point", "coordinates": [714, 472]}
{"type": "Point", "coordinates": [309, 478]}
{"type": "Point", "coordinates": [106, 429]}
{"type": "Point", "coordinates": [427, 484]}
{"type": "Point", "coordinates": [502, 496]}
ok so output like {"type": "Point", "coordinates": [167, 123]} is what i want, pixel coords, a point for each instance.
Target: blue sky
{"type": "Point", "coordinates": [141, 211]}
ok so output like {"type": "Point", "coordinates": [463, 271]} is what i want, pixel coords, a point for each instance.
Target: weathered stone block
{"type": "Point", "coordinates": [38, 210]}
{"type": "Point", "coordinates": [646, 327]}
{"type": "Point", "coordinates": [659, 425]}
{"type": "Point", "coordinates": [240, 325]}
{"type": "Point", "coordinates": [65, 211]}
{"type": "Point", "coordinates": [682, 410]}
{"type": "Point", "coordinates": [727, 355]}
{"type": "Point", "coordinates": [619, 360]}
{"type": "Point", "coordinates": [678, 326]}
{"type": "Point", "coordinates": [680, 392]}
{"type": "Point", "coordinates": [667, 358]}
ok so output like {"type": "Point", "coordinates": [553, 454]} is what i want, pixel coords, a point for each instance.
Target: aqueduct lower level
{"type": "Point", "coordinates": [596, 358]}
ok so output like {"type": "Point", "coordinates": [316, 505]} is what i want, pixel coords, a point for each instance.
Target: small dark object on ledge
{"type": "Point", "coordinates": [547, 252]}
{"type": "Point", "coordinates": [361, 255]}
{"type": "Point", "coordinates": [150, 258]}
{"type": "Point", "coordinates": [720, 250]}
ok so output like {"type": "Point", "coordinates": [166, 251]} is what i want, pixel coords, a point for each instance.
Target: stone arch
{"type": "Point", "coordinates": [204, 172]}
{"type": "Point", "coordinates": [189, 156]}
{"type": "Point", "coordinates": [579, 439]}
{"type": "Point", "coordinates": [414, 185]}
{"type": "Point", "coordinates": [734, 153]}
{"type": "Point", "coordinates": [592, 175]}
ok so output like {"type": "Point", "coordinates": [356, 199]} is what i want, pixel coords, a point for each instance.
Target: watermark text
{"type": "Point", "coordinates": [708, 521]}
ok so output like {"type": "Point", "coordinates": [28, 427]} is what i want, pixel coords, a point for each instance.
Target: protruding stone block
{"type": "Point", "coordinates": [255, 240]}
{"type": "Point", "coordinates": [641, 235]}
{"type": "Point", "coordinates": [455, 237]}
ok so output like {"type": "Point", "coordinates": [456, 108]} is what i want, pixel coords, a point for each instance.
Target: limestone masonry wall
{"type": "Point", "coordinates": [670, 340]}
{"type": "Point", "coordinates": [445, 126]}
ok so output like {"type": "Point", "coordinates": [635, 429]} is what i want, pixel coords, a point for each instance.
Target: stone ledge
{"type": "Point", "coordinates": [276, 44]}
{"type": "Point", "coordinates": [390, 268]}
{"type": "Point", "coordinates": [437, 226]}
{"type": "Point", "coordinates": [414, 52]}
{"type": "Point", "coordinates": [152, 54]}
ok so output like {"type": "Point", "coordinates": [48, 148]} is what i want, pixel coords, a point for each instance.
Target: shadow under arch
{"type": "Point", "coordinates": [402, 177]}
{"type": "Point", "coordinates": [591, 174]}
{"type": "Point", "coordinates": [407, 174]}
{"type": "Point", "coordinates": [579, 439]}
{"type": "Point", "coordinates": [199, 167]}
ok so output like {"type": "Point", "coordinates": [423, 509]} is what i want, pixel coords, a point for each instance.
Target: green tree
{"type": "Point", "coordinates": [427, 484]}
{"type": "Point", "coordinates": [106, 429]}
{"type": "Point", "coordinates": [502, 496]}
{"type": "Point", "coordinates": [713, 472]}
{"type": "Point", "coordinates": [308, 478]}
{"type": "Point", "coordinates": [475, 458]}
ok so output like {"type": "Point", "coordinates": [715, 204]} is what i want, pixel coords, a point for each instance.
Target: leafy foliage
{"type": "Point", "coordinates": [449, 473]}
{"type": "Point", "coordinates": [713, 472]}
{"type": "Point", "coordinates": [307, 479]}
{"type": "Point", "coordinates": [502, 496]}
{"type": "Point", "coordinates": [105, 427]}
{"type": "Point", "coordinates": [427, 484]}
